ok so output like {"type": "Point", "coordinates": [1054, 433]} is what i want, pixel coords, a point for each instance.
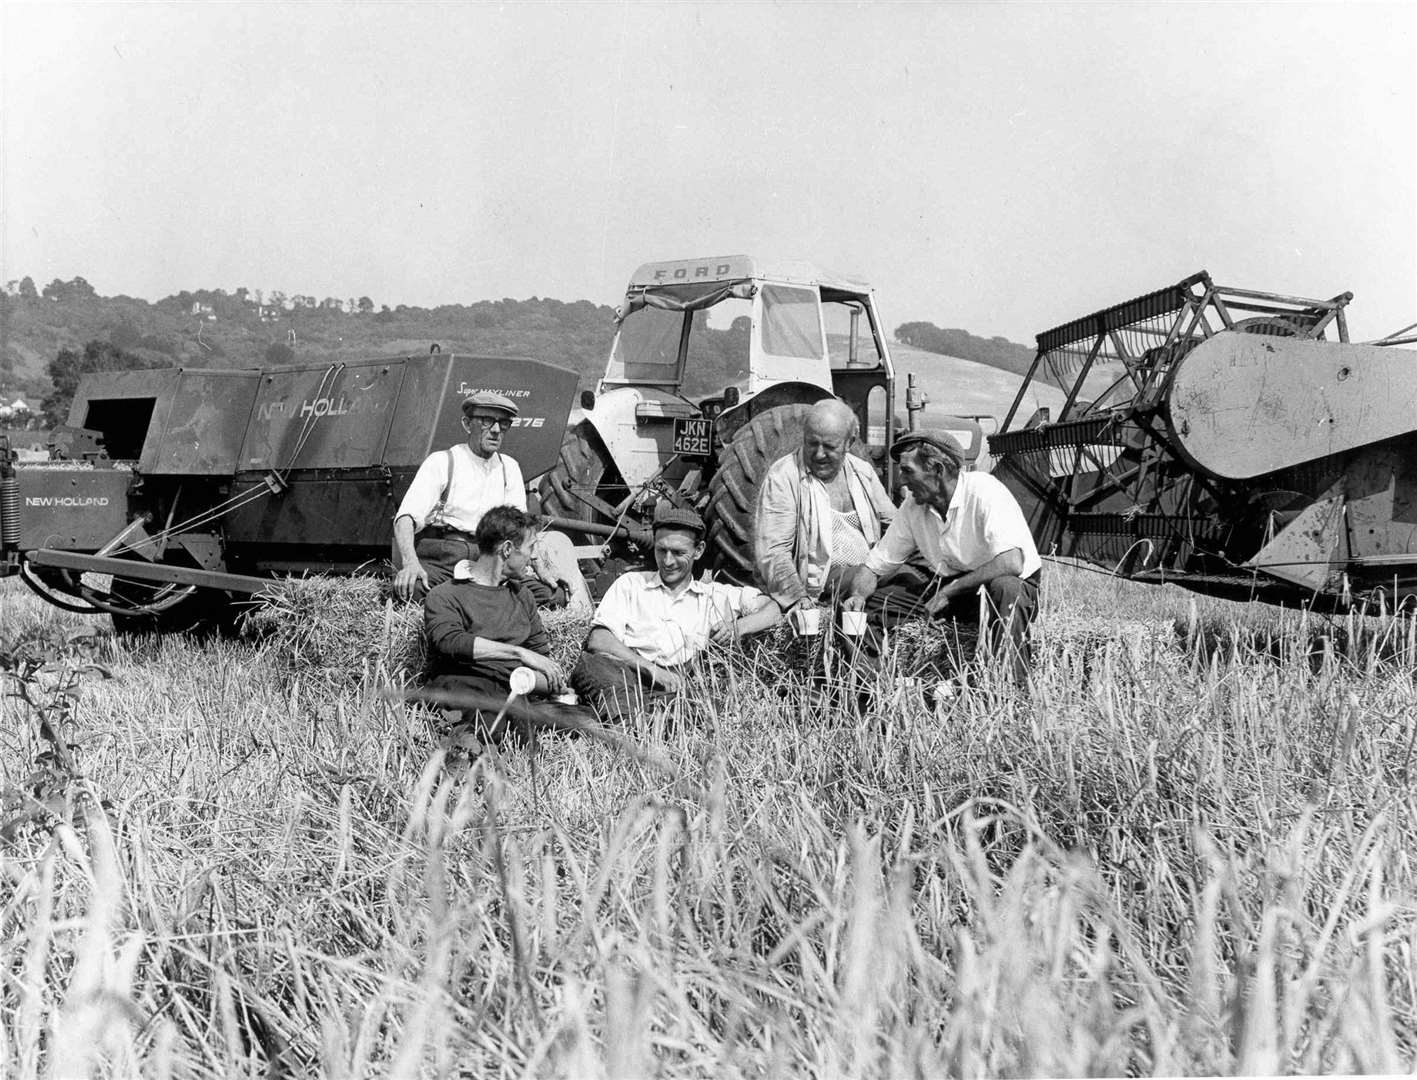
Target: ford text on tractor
{"type": "Point", "coordinates": [1227, 440]}
{"type": "Point", "coordinates": [174, 493]}
{"type": "Point", "coordinates": [714, 366]}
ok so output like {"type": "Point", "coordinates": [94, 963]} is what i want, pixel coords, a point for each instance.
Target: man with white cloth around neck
{"type": "Point", "coordinates": [820, 510]}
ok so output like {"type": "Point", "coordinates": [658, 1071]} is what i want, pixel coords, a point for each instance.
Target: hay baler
{"type": "Point", "coordinates": [1227, 440]}
{"type": "Point", "coordinates": [172, 493]}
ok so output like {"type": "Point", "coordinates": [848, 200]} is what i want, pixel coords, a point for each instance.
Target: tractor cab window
{"type": "Point", "coordinates": [851, 341]}
{"type": "Point", "coordinates": [791, 323]}
{"type": "Point", "coordinates": [647, 347]}
{"type": "Point", "coordinates": [719, 344]}
{"type": "Point", "coordinates": [651, 333]}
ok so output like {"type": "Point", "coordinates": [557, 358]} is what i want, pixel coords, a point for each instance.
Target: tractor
{"type": "Point", "coordinates": [714, 365]}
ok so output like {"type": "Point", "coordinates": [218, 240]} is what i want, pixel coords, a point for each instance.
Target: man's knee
{"type": "Point", "coordinates": [608, 686]}
{"type": "Point", "coordinates": [1004, 591]}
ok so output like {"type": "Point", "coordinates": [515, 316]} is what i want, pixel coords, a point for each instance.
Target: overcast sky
{"type": "Point", "coordinates": [998, 167]}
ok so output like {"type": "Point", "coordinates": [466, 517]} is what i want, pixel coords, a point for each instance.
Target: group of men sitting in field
{"type": "Point", "coordinates": [826, 535]}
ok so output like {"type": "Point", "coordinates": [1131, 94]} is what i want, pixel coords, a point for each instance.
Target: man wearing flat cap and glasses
{"type": "Point", "coordinates": [970, 530]}
{"type": "Point", "coordinates": [453, 488]}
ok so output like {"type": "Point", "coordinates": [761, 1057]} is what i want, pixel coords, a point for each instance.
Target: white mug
{"type": "Point", "coordinates": [807, 622]}
{"type": "Point", "coordinates": [523, 681]}
{"type": "Point", "coordinates": [853, 623]}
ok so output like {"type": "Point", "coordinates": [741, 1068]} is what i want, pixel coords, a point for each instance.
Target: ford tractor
{"type": "Point", "coordinates": [713, 368]}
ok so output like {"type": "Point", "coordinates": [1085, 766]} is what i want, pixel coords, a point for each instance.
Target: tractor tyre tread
{"type": "Point", "coordinates": [733, 491]}
{"type": "Point", "coordinates": [584, 463]}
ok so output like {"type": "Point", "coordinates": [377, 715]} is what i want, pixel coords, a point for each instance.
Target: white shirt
{"type": "Point", "coordinates": [983, 520]}
{"type": "Point", "coordinates": [478, 485]}
{"type": "Point", "coordinates": [666, 629]}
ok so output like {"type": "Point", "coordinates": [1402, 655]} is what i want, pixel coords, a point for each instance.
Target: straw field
{"type": "Point", "coordinates": [1189, 850]}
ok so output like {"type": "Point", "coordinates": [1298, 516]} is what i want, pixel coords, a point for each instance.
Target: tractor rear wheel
{"type": "Point", "coordinates": [583, 467]}
{"type": "Point", "coordinates": [733, 491]}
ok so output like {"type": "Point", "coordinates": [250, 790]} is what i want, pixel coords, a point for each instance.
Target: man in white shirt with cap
{"type": "Point", "coordinates": [453, 488]}
{"type": "Point", "coordinates": [652, 624]}
{"type": "Point", "coordinates": [971, 531]}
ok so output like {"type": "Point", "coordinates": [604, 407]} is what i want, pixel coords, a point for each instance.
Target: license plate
{"type": "Point", "coordinates": [693, 437]}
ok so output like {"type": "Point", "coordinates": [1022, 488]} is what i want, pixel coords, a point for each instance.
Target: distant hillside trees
{"type": "Point", "coordinates": [67, 291]}
{"type": "Point", "coordinates": [247, 327]}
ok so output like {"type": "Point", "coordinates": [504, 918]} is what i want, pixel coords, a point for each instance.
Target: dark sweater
{"type": "Point", "coordinates": [456, 612]}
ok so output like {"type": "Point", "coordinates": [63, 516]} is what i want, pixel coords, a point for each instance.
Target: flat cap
{"type": "Point", "coordinates": [940, 440]}
{"type": "Point", "coordinates": [486, 399]}
{"type": "Point", "coordinates": [669, 516]}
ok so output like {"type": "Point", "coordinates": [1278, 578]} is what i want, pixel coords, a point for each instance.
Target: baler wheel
{"type": "Point", "coordinates": [204, 611]}
{"type": "Point", "coordinates": [733, 491]}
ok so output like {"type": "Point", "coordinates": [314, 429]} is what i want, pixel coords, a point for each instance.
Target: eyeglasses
{"type": "Point", "coordinates": [501, 423]}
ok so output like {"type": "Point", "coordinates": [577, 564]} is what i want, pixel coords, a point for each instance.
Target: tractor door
{"type": "Point", "coordinates": [861, 372]}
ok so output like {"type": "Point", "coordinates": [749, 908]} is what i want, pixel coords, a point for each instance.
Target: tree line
{"type": "Point", "coordinates": [53, 335]}
{"type": "Point", "coordinates": [995, 351]}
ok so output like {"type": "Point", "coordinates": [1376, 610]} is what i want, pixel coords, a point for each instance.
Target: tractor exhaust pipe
{"type": "Point", "coordinates": [915, 401]}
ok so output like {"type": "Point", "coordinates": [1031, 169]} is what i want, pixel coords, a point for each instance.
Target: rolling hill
{"type": "Point", "coordinates": [966, 388]}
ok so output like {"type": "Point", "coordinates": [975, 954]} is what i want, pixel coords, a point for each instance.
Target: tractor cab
{"type": "Point", "coordinates": [715, 364]}
{"type": "Point", "coordinates": [703, 345]}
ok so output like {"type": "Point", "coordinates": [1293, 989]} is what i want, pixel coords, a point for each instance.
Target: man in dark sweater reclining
{"type": "Point", "coordinates": [482, 625]}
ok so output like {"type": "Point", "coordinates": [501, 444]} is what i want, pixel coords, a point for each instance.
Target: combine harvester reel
{"type": "Point", "coordinates": [1221, 439]}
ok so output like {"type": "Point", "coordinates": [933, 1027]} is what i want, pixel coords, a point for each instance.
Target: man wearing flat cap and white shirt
{"type": "Point", "coordinates": [652, 624]}
{"type": "Point", "coordinates": [971, 531]}
{"type": "Point", "coordinates": [451, 491]}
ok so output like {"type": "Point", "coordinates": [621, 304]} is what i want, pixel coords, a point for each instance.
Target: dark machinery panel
{"type": "Point", "coordinates": [317, 512]}
{"type": "Point", "coordinates": [429, 413]}
{"type": "Point", "coordinates": [202, 429]}
{"type": "Point", "coordinates": [122, 406]}
{"type": "Point", "coordinates": [322, 418]}
{"type": "Point", "coordinates": [71, 507]}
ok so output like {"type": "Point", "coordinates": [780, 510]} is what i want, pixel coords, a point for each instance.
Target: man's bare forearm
{"type": "Point", "coordinates": [403, 540]}
{"type": "Point", "coordinates": [1001, 565]}
{"type": "Point", "coordinates": [863, 583]}
{"type": "Point", "coordinates": [766, 615]}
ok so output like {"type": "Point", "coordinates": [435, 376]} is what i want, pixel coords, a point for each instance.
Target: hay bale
{"type": "Point", "coordinates": [567, 630]}
{"type": "Point", "coordinates": [334, 632]}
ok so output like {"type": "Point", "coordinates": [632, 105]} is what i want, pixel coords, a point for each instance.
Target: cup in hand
{"type": "Point", "coordinates": [806, 621]}
{"type": "Point", "coordinates": [853, 623]}
{"type": "Point", "coordinates": [522, 682]}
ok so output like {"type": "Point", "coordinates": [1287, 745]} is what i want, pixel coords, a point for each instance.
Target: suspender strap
{"type": "Point", "coordinates": [437, 515]}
